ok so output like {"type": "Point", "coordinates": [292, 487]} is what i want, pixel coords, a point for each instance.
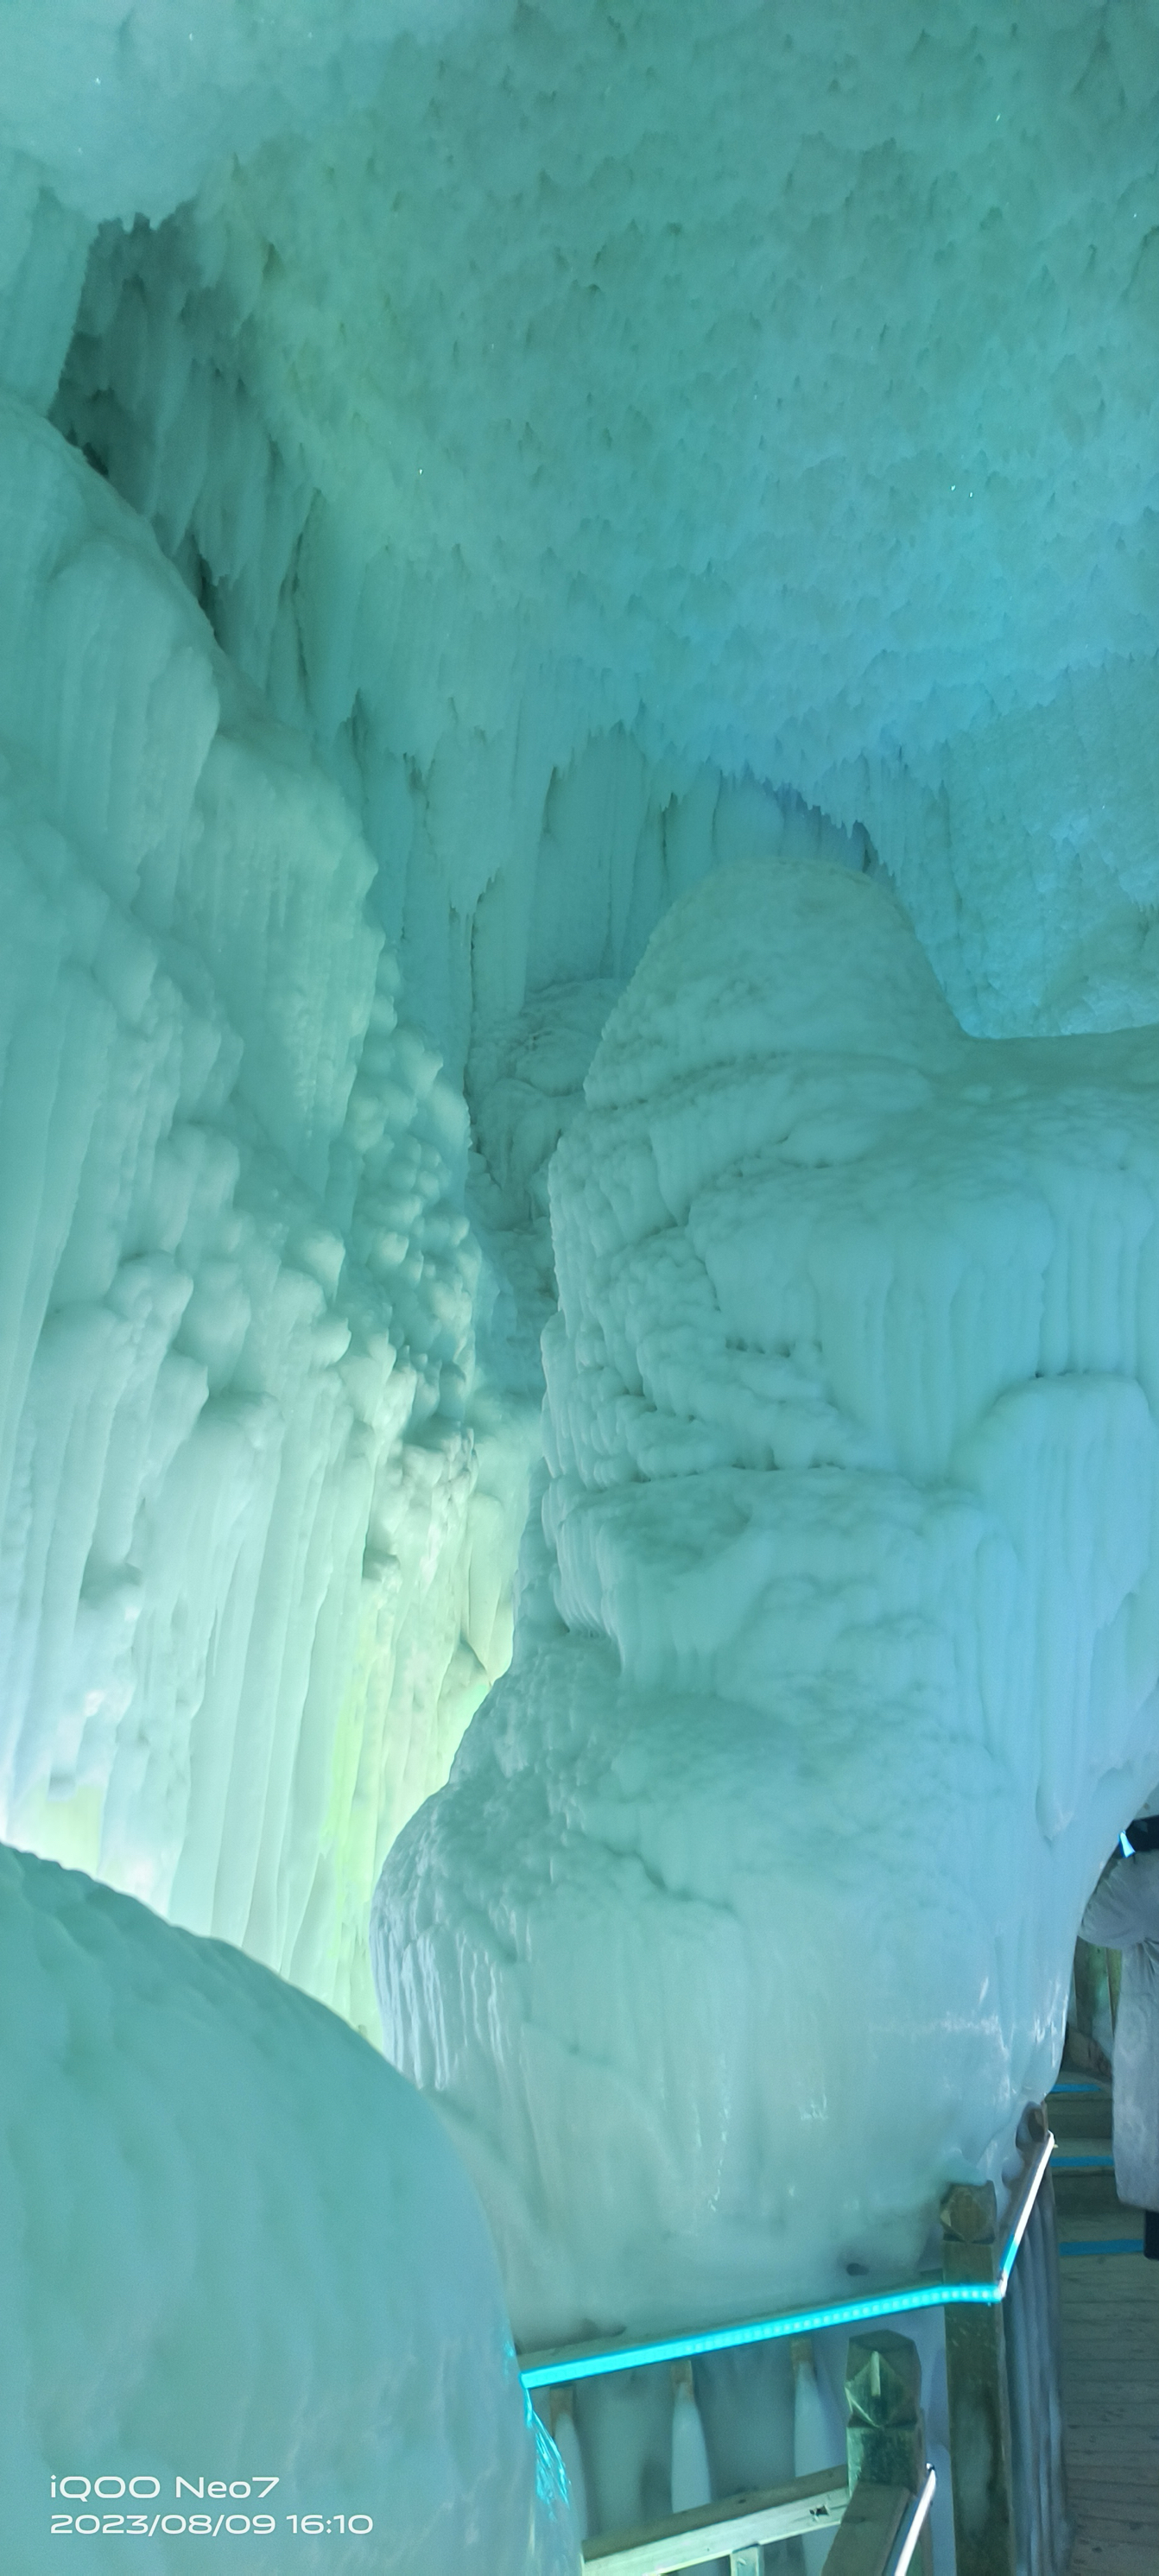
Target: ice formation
{"type": "Point", "coordinates": [234, 2247]}
{"type": "Point", "coordinates": [466, 473]}
{"type": "Point", "coordinates": [238, 1276]}
{"type": "Point", "coordinates": [746, 1919]}
{"type": "Point", "coordinates": [570, 421]}
{"type": "Point", "coordinates": [126, 104]}
{"type": "Point", "coordinates": [627, 400]}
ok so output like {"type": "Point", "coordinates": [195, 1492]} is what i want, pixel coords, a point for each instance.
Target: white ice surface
{"type": "Point", "coordinates": [125, 104]}
{"type": "Point", "coordinates": [234, 2245]}
{"type": "Point", "coordinates": [44, 249]}
{"type": "Point", "coordinates": [747, 1916]}
{"type": "Point", "coordinates": [251, 1571]}
{"type": "Point", "coordinates": [623, 401]}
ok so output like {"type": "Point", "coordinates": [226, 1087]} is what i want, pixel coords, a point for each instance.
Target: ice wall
{"type": "Point", "coordinates": [237, 1279]}
{"type": "Point", "coordinates": [254, 1561]}
{"type": "Point", "coordinates": [746, 1919]}
{"type": "Point", "coordinates": [235, 2248]}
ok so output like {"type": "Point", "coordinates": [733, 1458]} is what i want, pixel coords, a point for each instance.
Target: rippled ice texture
{"type": "Point", "coordinates": [747, 1915]}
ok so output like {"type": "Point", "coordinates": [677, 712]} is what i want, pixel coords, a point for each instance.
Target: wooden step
{"type": "Point", "coordinates": [1083, 2169]}
{"type": "Point", "coordinates": [1079, 2107]}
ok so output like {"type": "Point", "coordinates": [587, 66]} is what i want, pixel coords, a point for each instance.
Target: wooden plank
{"type": "Point", "coordinates": [1139, 2499]}
{"type": "Point", "coordinates": [1103, 2415]}
{"type": "Point", "coordinates": [1132, 2505]}
{"type": "Point", "coordinates": [1111, 2529]}
{"type": "Point", "coordinates": [869, 2529]}
{"type": "Point", "coordinates": [977, 2388]}
{"type": "Point", "coordinates": [1110, 2375]}
{"type": "Point", "coordinates": [1114, 2557]}
{"type": "Point", "coordinates": [814, 2503]}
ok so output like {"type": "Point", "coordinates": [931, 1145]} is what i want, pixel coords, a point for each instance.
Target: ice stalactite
{"type": "Point", "coordinates": [238, 1278]}
{"type": "Point", "coordinates": [44, 251]}
{"type": "Point", "coordinates": [615, 404]}
{"type": "Point", "coordinates": [524, 837]}
{"type": "Point", "coordinates": [127, 104]}
{"type": "Point", "coordinates": [845, 1624]}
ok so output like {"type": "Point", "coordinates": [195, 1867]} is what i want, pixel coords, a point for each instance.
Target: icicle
{"type": "Point", "coordinates": [566, 2440]}
{"type": "Point", "coordinates": [812, 2441]}
{"type": "Point", "coordinates": [691, 2479]}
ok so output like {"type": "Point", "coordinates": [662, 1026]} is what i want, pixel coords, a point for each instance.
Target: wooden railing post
{"type": "Point", "coordinates": [886, 2447]}
{"type": "Point", "coordinates": [1042, 2524]}
{"type": "Point", "coordinates": [977, 2389]}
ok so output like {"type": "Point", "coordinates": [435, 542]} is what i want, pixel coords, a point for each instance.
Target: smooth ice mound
{"type": "Point", "coordinates": [746, 1917]}
{"type": "Point", "coordinates": [234, 2244]}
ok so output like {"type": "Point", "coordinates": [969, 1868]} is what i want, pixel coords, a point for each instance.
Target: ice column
{"type": "Point", "coordinates": [236, 1279]}
{"type": "Point", "coordinates": [746, 1918]}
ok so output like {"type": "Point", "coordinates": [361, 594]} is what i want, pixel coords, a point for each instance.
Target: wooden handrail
{"type": "Point", "coordinates": [878, 2528]}
{"type": "Point", "coordinates": [869, 2530]}
{"type": "Point", "coordinates": [882, 2530]}
{"type": "Point", "coordinates": [720, 2529]}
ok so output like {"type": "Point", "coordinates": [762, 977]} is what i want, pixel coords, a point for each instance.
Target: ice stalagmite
{"type": "Point", "coordinates": [746, 1918]}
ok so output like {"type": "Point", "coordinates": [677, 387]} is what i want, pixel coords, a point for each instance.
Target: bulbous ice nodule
{"type": "Point", "coordinates": [745, 1920]}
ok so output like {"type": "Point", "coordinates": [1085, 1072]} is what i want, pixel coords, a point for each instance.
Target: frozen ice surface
{"type": "Point", "coordinates": [572, 429]}
{"type": "Point", "coordinates": [746, 1918]}
{"type": "Point", "coordinates": [127, 103]}
{"type": "Point", "coordinates": [524, 1086]}
{"type": "Point", "coordinates": [625, 403]}
{"type": "Point", "coordinates": [241, 1512]}
{"type": "Point", "coordinates": [44, 248]}
{"type": "Point", "coordinates": [234, 2245]}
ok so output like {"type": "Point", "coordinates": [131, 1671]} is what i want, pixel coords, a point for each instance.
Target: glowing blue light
{"type": "Point", "coordinates": [892, 2303]}
{"type": "Point", "coordinates": [1127, 1849]}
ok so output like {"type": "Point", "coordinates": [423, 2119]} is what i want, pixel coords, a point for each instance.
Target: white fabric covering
{"type": "Point", "coordinates": [1123, 1914]}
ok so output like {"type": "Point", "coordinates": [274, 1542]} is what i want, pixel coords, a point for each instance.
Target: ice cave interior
{"type": "Point", "coordinates": [579, 1264]}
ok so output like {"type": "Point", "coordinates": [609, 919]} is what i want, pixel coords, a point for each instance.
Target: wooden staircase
{"type": "Point", "coordinates": [1110, 2341]}
{"type": "Point", "coordinates": [1091, 2217]}
{"type": "Point", "coordinates": [1079, 2112]}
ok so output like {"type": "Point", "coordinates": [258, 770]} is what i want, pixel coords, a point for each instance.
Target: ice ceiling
{"type": "Point", "coordinates": [467, 474]}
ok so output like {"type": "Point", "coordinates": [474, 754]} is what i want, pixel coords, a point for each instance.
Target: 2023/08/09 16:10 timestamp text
{"type": "Point", "coordinates": [132, 2508]}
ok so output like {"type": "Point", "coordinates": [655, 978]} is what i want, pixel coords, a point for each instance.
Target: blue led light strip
{"type": "Point", "coordinates": [552, 2370]}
